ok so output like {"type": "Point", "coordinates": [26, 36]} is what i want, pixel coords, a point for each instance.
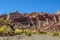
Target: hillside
{"type": "Point", "coordinates": [33, 21]}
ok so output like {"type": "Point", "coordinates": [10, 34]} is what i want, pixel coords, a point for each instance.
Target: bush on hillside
{"type": "Point", "coordinates": [42, 32]}
{"type": "Point", "coordinates": [27, 32]}
{"type": "Point", "coordinates": [5, 30]}
{"type": "Point", "coordinates": [18, 31]}
{"type": "Point", "coordinates": [55, 34]}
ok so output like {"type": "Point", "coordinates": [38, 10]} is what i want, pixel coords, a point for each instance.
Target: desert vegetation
{"type": "Point", "coordinates": [4, 30]}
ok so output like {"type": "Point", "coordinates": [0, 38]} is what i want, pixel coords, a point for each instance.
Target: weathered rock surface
{"type": "Point", "coordinates": [38, 21]}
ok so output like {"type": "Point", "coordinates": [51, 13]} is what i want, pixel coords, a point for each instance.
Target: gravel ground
{"type": "Point", "coordinates": [33, 37]}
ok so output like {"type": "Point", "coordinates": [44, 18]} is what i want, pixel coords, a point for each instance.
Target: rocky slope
{"type": "Point", "coordinates": [37, 21]}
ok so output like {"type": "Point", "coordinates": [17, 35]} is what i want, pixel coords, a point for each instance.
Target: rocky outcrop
{"type": "Point", "coordinates": [37, 21]}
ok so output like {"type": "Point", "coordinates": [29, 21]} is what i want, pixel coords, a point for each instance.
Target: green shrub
{"type": "Point", "coordinates": [18, 31]}
{"type": "Point", "coordinates": [59, 33]}
{"type": "Point", "coordinates": [27, 32]}
{"type": "Point", "coordinates": [5, 30]}
{"type": "Point", "coordinates": [55, 34]}
{"type": "Point", "coordinates": [42, 32]}
{"type": "Point", "coordinates": [1, 30]}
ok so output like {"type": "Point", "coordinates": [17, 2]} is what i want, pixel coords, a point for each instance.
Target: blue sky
{"type": "Point", "coordinates": [27, 6]}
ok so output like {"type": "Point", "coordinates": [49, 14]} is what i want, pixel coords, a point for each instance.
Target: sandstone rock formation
{"type": "Point", "coordinates": [37, 21]}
